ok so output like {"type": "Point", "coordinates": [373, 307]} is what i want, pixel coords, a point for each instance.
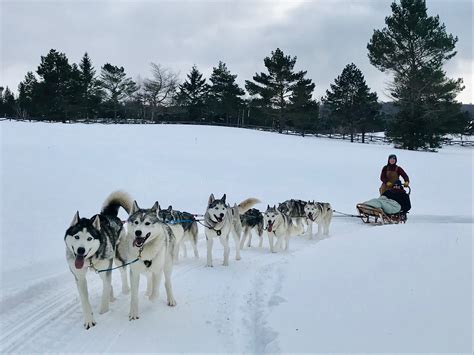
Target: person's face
{"type": "Point", "coordinates": [392, 160]}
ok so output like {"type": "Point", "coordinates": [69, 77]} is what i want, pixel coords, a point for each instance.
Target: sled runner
{"type": "Point", "coordinates": [376, 215]}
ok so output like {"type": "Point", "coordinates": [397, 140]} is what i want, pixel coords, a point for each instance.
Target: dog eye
{"type": "Point", "coordinates": [147, 223]}
{"type": "Point", "coordinates": [136, 222]}
{"type": "Point", "coordinates": [76, 236]}
{"type": "Point", "coordinates": [89, 239]}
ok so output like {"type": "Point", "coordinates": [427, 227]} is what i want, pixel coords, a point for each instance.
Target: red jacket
{"type": "Point", "coordinates": [397, 169]}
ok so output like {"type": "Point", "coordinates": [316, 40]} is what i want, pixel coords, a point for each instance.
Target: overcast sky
{"type": "Point", "coordinates": [325, 35]}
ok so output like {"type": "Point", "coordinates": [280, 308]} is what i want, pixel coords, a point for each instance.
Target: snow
{"type": "Point", "coordinates": [402, 288]}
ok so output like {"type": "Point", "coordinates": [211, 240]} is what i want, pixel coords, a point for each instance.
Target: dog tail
{"type": "Point", "coordinates": [116, 200]}
{"type": "Point", "coordinates": [247, 204]}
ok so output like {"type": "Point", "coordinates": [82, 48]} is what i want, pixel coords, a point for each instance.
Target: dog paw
{"type": "Point", "coordinates": [207, 265]}
{"type": "Point", "coordinates": [238, 257]}
{"type": "Point", "coordinates": [103, 309]}
{"type": "Point", "coordinates": [171, 302]}
{"type": "Point", "coordinates": [89, 324]}
{"type": "Point", "coordinates": [225, 263]}
{"type": "Point", "coordinates": [153, 297]}
{"type": "Point", "coordinates": [126, 290]}
{"type": "Point", "coordinates": [133, 317]}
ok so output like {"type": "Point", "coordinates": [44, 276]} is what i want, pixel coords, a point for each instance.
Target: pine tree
{"type": "Point", "coordinates": [52, 90]}
{"type": "Point", "coordinates": [274, 89]}
{"type": "Point", "coordinates": [414, 47]}
{"type": "Point", "coordinates": [117, 86]}
{"type": "Point", "coordinates": [352, 106]}
{"type": "Point", "coordinates": [193, 94]}
{"type": "Point", "coordinates": [303, 110]}
{"type": "Point", "coordinates": [27, 89]}
{"type": "Point", "coordinates": [225, 94]}
{"type": "Point", "coordinates": [90, 89]}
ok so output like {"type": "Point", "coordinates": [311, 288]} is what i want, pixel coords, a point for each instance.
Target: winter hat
{"type": "Point", "coordinates": [392, 156]}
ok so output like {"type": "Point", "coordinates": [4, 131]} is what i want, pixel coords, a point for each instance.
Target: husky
{"type": "Point", "coordinates": [94, 243]}
{"type": "Point", "coordinates": [281, 226]}
{"type": "Point", "coordinates": [153, 248]}
{"type": "Point", "coordinates": [220, 220]}
{"type": "Point", "coordinates": [320, 213]}
{"type": "Point", "coordinates": [189, 224]}
{"type": "Point", "coordinates": [294, 209]}
{"type": "Point", "coordinates": [251, 220]}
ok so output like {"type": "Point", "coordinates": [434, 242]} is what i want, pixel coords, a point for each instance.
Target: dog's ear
{"type": "Point", "coordinates": [156, 207]}
{"type": "Point", "coordinates": [135, 207]}
{"type": "Point", "coordinates": [223, 198]}
{"type": "Point", "coordinates": [96, 223]}
{"type": "Point", "coordinates": [76, 219]}
{"type": "Point", "coordinates": [170, 208]}
{"type": "Point", "coordinates": [274, 207]}
{"type": "Point", "coordinates": [211, 199]}
{"type": "Point", "coordinates": [268, 207]}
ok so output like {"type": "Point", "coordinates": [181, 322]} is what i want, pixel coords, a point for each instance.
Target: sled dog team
{"type": "Point", "coordinates": [150, 243]}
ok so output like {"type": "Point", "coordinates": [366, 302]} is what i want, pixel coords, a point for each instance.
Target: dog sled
{"type": "Point", "coordinates": [378, 216]}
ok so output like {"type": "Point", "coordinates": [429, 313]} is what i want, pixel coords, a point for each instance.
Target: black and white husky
{"type": "Point", "coordinates": [280, 226]}
{"type": "Point", "coordinates": [295, 210]}
{"type": "Point", "coordinates": [251, 220]}
{"type": "Point", "coordinates": [189, 224]}
{"type": "Point", "coordinates": [153, 244]}
{"type": "Point", "coordinates": [221, 220]}
{"type": "Point", "coordinates": [94, 243]}
{"type": "Point", "coordinates": [320, 213]}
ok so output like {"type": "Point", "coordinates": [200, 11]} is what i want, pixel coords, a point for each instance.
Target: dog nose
{"type": "Point", "coordinates": [138, 233]}
{"type": "Point", "coordinates": [222, 215]}
{"type": "Point", "coordinates": [81, 251]}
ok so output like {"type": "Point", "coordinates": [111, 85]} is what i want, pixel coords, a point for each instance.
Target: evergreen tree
{"type": "Point", "coordinates": [414, 47]}
{"type": "Point", "coordinates": [351, 104]}
{"type": "Point", "coordinates": [27, 91]}
{"type": "Point", "coordinates": [90, 90]}
{"type": "Point", "coordinates": [7, 103]}
{"type": "Point", "coordinates": [193, 94]}
{"type": "Point", "coordinates": [225, 94]}
{"type": "Point", "coordinates": [116, 85]}
{"type": "Point", "coordinates": [303, 110]}
{"type": "Point", "coordinates": [274, 89]}
{"type": "Point", "coordinates": [52, 92]}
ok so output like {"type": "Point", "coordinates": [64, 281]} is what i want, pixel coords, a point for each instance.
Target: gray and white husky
{"type": "Point", "coordinates": [189, 224]}
{"type": "Point", "coordinates": [153, 244]}
{"type": "Point", "coordinates": [251, 220]}
{"type": "Point", "coordinates": [281, 226]}
{"type": "Point", "coordinates": [221, 220]}
{"type": "Point", "coordinates": [95, 243]}
{"type": "Point", "coordinates": [320, 213]}
{"type": "Point", "coordinates": [295, 210]}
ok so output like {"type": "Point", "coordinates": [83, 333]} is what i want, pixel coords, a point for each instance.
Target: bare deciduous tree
{"type": "Point", "coordinates": [159, 90]}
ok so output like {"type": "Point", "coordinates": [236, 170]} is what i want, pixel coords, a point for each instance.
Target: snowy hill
{"type": "Point", "coordinates": [404, 288]}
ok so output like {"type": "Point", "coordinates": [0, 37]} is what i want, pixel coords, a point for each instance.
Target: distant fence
{"type": "Point", "coordinates": [370, 138]}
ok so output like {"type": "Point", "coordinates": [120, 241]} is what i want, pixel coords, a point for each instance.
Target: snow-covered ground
{"type": "Point", "coordinates": [402, 288]}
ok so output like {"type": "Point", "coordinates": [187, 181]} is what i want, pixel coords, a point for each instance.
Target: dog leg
{"type": "Point", "coordinates": [225, 244]}
{"type": "Point", "coordinates": [134, 282]}
{"type": "Point", "coordinates": [270, 241]}
{"type": "Point", "coordinates": [185, 250]}
{"type": "Point", "coordinates": [260, 242]}
{"type": "Point", "coordinates": [237, 245]}
{"type": "Point", "coordinates": [106, 289]}
{"type": "Point", "coordinates": [320, 229]}
{"type": "Point", "coordinates": [244, 237]}
{"type": "Point", "coordinates": [149, 284]}
{"type": "Point", "coordinates": [124, 277]}
{"type": "Point", "coordinates": [287, 242]}
{"type": "Point", "coordinates": [194, 244]}
{"type": "Point", "coordinates": [168, 268]}
{"type": "Point", "coordinates": [309, 232]}
{"type": "Point", "coordinates": [155, 289]}
{"type": "Point", "coordinates": [81, 283]}
{"type": "Point", "coordinates": [209, 251]}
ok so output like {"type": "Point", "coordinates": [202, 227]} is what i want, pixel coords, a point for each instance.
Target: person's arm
{"type": "Point", "coordinates": [403, 174]}
{"type": "Point", "coordinates": [383, 175]}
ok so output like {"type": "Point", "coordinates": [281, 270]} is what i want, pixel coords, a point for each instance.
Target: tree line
{"type": "Point", "coordinates": [413, 47]}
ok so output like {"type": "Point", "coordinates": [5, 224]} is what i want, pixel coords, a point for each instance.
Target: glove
{"type": "Point", "coordinates": [389, 184]}
{"type": "Point", "coordinates": [406, 183]}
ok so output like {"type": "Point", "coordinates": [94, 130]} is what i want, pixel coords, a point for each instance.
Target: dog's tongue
{"type": "Point", "coordinates": [270, 226]}
{"type": "Point", "coordinates": [138, 242]}
{"type": "Point", "coordinates": [79, 261]}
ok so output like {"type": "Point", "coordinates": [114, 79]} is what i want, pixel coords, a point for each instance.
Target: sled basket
{"type": "Point", "coordinates": [377, 216]}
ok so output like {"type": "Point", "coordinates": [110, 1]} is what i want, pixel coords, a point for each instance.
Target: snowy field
{"type": "Point", "coordinates": [401, 288]}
